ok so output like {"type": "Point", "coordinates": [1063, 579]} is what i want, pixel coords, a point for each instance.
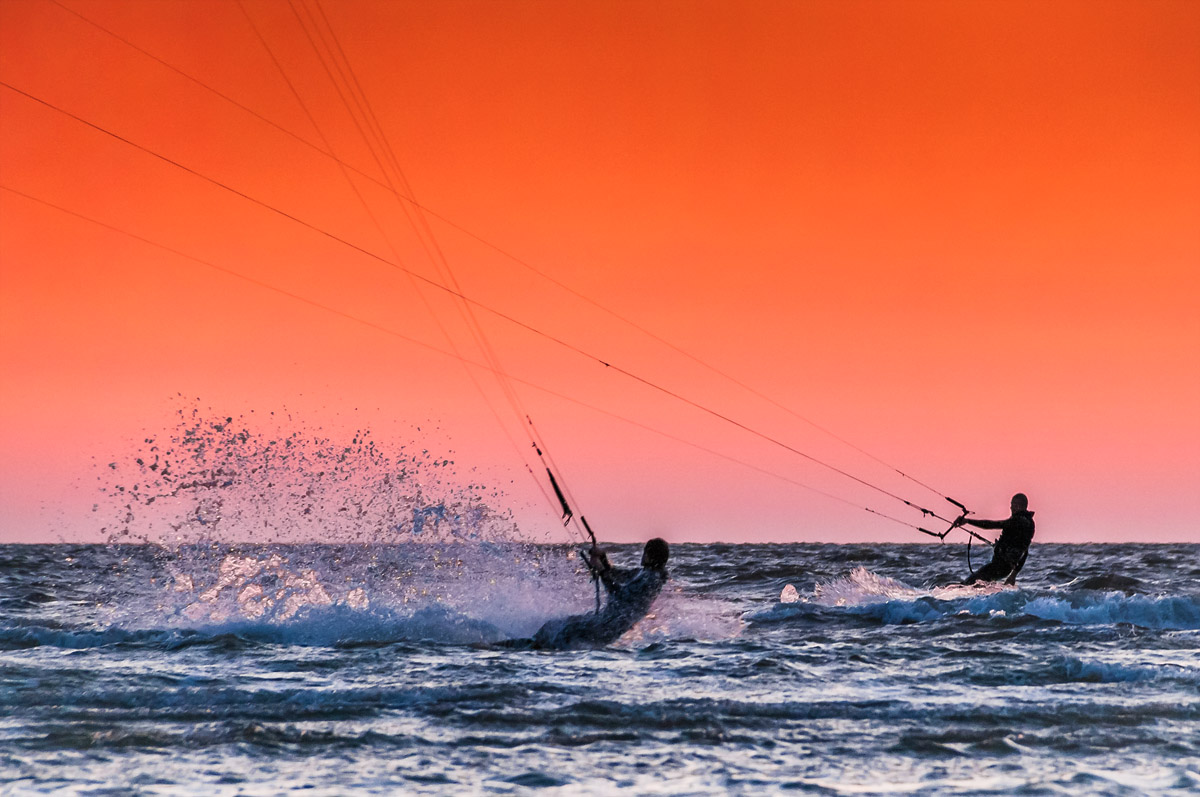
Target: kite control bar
{"type": "Point", "coordinates": [956, 523]}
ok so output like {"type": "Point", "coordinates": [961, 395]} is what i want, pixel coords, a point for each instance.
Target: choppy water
{"type": "Point", "coordinates": [358, 669]}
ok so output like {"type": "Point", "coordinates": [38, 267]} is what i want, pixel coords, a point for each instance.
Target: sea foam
{"type": "Point", "coordinates": [891, 601]}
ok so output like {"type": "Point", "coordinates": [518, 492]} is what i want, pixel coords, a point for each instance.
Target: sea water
{"type": "Point", "coordinates": [371, 669]}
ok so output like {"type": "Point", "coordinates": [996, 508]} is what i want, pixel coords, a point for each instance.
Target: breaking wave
{"type": "Point", "coordinates": [321, 626]}
{"type": "Point", "coordinates": [889, 601]}
{"type": "Point", "coordinates": [318, 595]}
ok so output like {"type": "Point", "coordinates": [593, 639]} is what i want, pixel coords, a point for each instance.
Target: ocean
{"type": "Point", "coordinates": [371, 669]}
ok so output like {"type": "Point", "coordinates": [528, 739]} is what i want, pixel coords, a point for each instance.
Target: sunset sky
{"type": "Point", "coordinates": [962, 236]}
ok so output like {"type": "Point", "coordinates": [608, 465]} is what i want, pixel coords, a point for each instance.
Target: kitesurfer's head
{"type": "Point", "coordinates": [656, 553]}
{"type": "Point", "coordinates": [1020, 503]}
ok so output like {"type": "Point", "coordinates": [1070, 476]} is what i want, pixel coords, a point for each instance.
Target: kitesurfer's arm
{"type": "Point", "coordinates": [980, 523]}
{"type": "Point", "coordinates": [617, 578]}
{"type": "Point", "coordinates": [612, 577]}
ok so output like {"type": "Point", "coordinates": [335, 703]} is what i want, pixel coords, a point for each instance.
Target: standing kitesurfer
{"type": "Point", "coordinates": [631, 592]}
{"type": "Point", "coordinates": [1009, 552]}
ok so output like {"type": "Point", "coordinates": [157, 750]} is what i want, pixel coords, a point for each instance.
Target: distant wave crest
{"type": "Point", "coordinates": [889, 601]}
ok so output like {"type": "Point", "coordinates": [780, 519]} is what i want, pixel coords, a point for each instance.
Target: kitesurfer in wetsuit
{"type": "Point", "coordinates": [1008, 555]}
{"type": "Point", "coordinates": [631, 591]}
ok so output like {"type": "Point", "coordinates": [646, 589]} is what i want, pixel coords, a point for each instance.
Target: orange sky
{"type": "Point", "coordinates": [964, 236]}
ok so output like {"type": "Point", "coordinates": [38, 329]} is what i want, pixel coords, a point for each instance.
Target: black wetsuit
{"type": "Point", "coordinates": [630, 595]}
{"type": "Point", "coordinates": [1008, 557]}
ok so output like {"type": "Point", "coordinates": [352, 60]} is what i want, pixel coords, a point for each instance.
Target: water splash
{"type": "Point", "coordinates": [234, 504]}
{"type": "Point", "coordinates": [864, 587]}
{"type": "Point", "coordinates": [268, 478]}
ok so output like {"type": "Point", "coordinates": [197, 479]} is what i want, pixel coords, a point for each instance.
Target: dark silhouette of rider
{"type": "Point", "coordinates": [1010, 551]}
{"type": "Point", "coordinates": [631, 591]}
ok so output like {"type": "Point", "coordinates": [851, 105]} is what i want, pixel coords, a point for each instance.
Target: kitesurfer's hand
{"type": "Point", "coordinates": [597, 561]}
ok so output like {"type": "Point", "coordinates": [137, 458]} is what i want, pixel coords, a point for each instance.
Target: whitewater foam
{"type": "Point", "coordinates": [892, 602]}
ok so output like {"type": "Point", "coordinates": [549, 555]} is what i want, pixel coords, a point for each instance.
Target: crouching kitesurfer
{"type": "Point", "coordinates": [631, 591]}
{"type": "Point", "coordinates": [1010, 551]}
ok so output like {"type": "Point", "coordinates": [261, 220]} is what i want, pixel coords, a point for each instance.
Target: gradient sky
{"type": "Point", "coordinates": [963, 236]}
